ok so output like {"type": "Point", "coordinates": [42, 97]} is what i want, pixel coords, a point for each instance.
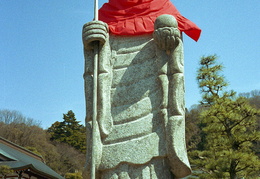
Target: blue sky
{"type": "Point", "coordinates": [41, 52]}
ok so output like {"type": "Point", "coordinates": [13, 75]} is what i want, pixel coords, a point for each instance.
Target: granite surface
{"type": "Point", "coordinates": [140, 103]}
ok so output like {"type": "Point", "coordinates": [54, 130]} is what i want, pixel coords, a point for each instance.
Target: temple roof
{"type": "Point", "coordinates": [21, 159]}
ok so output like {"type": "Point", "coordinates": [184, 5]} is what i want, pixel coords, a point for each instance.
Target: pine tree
{"type": "Point", "coordinates": [69, 131]}
{"type": "Point", "coordinates": [210, 82]}
{"type": "Point", "coordinates": [229, 124]}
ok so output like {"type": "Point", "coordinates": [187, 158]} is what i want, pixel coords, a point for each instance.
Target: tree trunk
{"type": "Point", "coordinates": [232, 170]}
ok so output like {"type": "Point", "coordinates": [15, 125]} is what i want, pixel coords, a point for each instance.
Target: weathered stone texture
{"type": "Point", "coordinates": [140, 103]}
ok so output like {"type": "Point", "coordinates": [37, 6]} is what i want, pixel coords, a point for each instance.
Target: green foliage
{"type": "Point", "coordinates": [210, 82]}
{"type": "Point", "coordinates": [5, 170]}
{"type": "Point", "coordinates": [69, 131]}
{"type": "Point", "coordinates": [230, 128]}
{"type": "Point", "coordinates": [73, 175]}
{"type": "Point", "coordinates": [231, 131]}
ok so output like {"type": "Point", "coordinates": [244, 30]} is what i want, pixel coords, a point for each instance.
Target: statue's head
{"type": "Point", "coordinates": [165, 21]}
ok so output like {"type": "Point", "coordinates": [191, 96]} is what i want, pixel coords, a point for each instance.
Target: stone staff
{"type": "Point", "coordinates": [95, 81]}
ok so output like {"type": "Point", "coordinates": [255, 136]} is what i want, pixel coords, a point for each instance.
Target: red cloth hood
{"type": "Point", "coordinates": [136, 17]}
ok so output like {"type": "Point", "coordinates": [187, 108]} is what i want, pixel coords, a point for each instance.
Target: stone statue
{"type": "Point", "coordinates": [140, 102]}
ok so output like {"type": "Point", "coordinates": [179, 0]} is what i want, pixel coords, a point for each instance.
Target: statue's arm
{"type": "Point", "coordinates": [170, 47]}
{"type": "Point", "coordinates": [97, 32]}
{"type": "Point", "coordinates": [93, 32]}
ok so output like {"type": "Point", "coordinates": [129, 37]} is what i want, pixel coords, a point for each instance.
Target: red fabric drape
{"type": "Point", "coordinates": [136, 17]}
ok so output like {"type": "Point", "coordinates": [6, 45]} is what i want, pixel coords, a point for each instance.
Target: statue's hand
{"type": "Point", "coordinates": [165, 37]}
{"type": "Point", "coordinates": [166, 32]}
{"type": "Point", "coordinates": [94, 31]}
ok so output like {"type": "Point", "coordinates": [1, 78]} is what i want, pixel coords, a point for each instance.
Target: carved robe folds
{"type": "Point", "coordinates": [140, 106]}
